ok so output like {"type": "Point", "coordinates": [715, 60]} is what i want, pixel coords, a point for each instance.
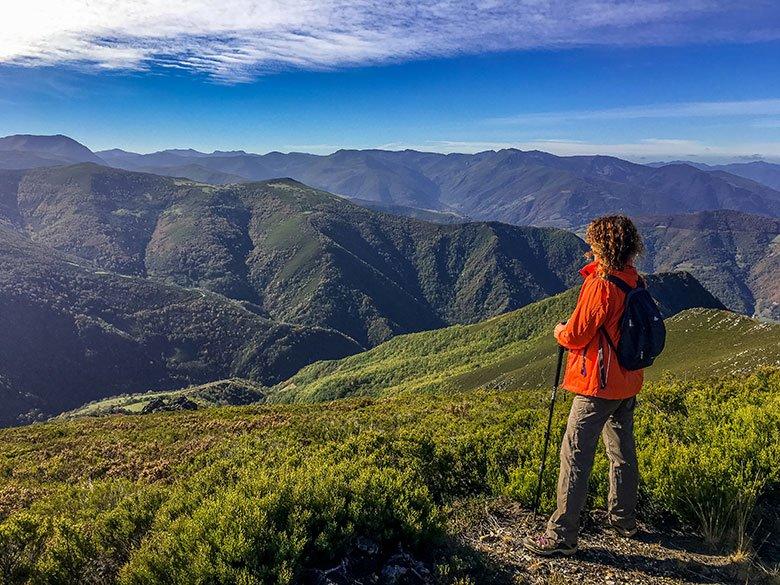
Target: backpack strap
{"type": "Point", "coordinates": [608, 338]}
{"type": "Point", "coordinates": [626, 288]}
{"type": "Point", "coordinates": [622, 284]}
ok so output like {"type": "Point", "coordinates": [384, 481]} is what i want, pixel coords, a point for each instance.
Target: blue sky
{"type": "Point", "coordinates": [689, 79]}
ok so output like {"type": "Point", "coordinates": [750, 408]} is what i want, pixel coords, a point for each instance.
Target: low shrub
{"type": "Point", "coordinates": [261, 494]}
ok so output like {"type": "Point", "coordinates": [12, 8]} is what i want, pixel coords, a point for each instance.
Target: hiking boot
{"type": "Point", "coordinates": [622, 531]}
{"type": "Point", "coordinates": [545, 546]}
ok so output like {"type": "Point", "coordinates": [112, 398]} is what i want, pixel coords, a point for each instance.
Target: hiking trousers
{"type": "Point", "coordinates": [589, 417]}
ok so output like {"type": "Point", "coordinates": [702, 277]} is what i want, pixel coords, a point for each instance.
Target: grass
{"type": "Point", "coordinates": [233, 391]}
{"type": "Point", "coordinates": [260, 494]}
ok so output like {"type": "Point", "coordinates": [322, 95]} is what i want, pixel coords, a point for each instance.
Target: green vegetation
{"type": "Point", "coordinates": [298, 254]}
{"type": "Point", "coordinates": [230, 392]}
{"type": "Point", "coordinates": [73, 334]}
{"type": "Point", "coordinates": [260, 494]}
{"type": "Point", "coordinates": [516, 350]}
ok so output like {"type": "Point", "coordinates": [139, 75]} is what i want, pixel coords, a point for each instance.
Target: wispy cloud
{"type": "Point", "coordinates": [643, 150]}
{"type": "Point", "coordinates": [235, 40]}
{"type": "Point", "coordinates": [765, 107]}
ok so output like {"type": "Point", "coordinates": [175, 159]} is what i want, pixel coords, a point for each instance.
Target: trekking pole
{"type": "Point", "coordinates": [549, 427]}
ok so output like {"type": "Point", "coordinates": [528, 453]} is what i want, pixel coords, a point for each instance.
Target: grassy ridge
{"type": "Point", "coordinates": [230, 392]}
{"type": "Point", "coordinates": [259, 494]}
{"type": "Point", "coordinates": [516, 350]}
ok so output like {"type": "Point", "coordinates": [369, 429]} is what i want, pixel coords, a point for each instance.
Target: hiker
{"type": "Point", "coordinates": [604, 391]}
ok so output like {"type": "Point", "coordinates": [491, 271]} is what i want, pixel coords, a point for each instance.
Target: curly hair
{"type": "Point", "coordinates": [615, 240]}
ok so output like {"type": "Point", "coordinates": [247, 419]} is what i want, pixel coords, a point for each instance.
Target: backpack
{"type": "Point", "coordinates": [642, 330]}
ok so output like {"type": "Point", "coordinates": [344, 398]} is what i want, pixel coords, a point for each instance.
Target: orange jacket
{"type": "Point", "coordinates": [600, 304]}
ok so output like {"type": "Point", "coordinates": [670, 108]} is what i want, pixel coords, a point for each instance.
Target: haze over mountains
{"type": "Point", "coordinates": [512, 186]}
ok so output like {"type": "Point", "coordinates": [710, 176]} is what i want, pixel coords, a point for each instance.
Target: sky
{"type": "Point", "coordinates": [650, 80]}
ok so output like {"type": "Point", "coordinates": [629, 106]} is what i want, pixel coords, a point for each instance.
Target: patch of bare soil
{"type": "Point", "coordinates": [654, 556]}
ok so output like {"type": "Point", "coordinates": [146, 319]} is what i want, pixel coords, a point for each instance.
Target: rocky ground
{"type": "Point", "coordinates": [653, 556]}
{"type": "Point", "coordinates": [487, 548]}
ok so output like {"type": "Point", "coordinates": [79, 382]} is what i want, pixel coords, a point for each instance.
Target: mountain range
{"type": "Point", "coordinates": [760, 171]}
{"type": "Point", "coordinates": [512, 186]}
{"type": "Point", "coordinates": [117, 281]}
{"type": "Point", "coordinates": [125, 281]}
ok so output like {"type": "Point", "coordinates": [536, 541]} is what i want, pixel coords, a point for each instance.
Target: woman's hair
{"type": "Point", "coordinates": [615, 240]}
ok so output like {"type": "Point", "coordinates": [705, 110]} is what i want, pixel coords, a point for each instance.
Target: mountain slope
{"type": "Point", "coordinates": [735, 255]}
{"type": "Point", "coordinates": [516, 350]}
{"type": "Point", "coordinates": [71, 334]}
{"type": "Point", "coordinates": [304, 255]}
{"type": "Point", "coordinates": [25, 151]}
{"type": "Point", "coordinates": [759, 171]}
{"type": "Point", "coordinates": [195, 172]}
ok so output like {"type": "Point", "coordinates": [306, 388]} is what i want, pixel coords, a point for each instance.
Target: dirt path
{"type": "Point", "coordinates": [653, 557]}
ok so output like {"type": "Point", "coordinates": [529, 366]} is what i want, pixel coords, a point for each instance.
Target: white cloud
{"type": "Point", "coordinates": [765, 107]}
{"type": "Point", "coordinates": [643, 150]}
{"type": "Point", "coordinates": [235, 40]}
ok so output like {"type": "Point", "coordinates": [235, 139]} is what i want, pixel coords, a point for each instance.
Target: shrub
{"type": "Point", "coordinates": [261, 494]}
{"type": "Point", "coordinates": [268, 529]}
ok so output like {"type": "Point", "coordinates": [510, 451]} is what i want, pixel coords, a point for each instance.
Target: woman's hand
{"type": "Point", "coordinates": [558, 328]}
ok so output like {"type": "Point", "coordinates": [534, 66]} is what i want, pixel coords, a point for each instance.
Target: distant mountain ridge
{"type": "Point", "coordinates": [25, 151]}
{"type": "Point", "coordinates": [512, 186]}
{"type": "Point", "coordinates": [760, 171]}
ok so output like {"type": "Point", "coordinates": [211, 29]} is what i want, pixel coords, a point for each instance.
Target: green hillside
{"type": "Point", "coordinates": [268, 494]}
{"type": "Point", "coordinates": [302, 255]}
{"type": "Point", "coordinates": [230, 392]}
{"type": "Point", "coordinates": [516, 350]}
{"type": "Point", "coordinates": [72, 334]}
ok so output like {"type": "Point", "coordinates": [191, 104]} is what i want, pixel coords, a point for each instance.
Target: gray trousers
{"type": "Point", "coordinates": [589, 417]}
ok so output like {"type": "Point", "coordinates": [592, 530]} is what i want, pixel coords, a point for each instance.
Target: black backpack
{"type": "Point", "coordinates": [642, 330]}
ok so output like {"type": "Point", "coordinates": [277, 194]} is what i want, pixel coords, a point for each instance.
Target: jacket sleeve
{"type": "Point", "coordinates": [589, 314]}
